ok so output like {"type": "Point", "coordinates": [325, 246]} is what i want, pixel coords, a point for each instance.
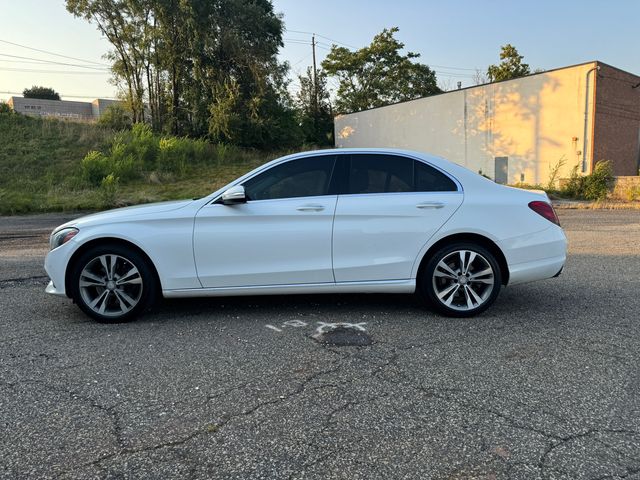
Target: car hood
{"type": "Point", "coordinates": [124, 213]}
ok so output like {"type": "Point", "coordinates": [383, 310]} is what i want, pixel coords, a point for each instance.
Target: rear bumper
{"type": "Point", "coordinates": [536, 256]}
{"type": "Point", "coordinates": [538, 270]}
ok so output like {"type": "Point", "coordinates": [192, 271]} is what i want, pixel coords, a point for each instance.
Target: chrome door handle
{"type": "Point", "coordinates": [310, 208]}
{"type": "Point", "coordinates": [430, 205]}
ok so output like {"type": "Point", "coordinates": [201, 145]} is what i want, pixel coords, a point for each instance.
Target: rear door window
{"type": "Point", "coordinates": [383, 173]}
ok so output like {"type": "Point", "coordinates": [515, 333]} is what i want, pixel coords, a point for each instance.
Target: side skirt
{"type": "Point", "coordinates": [382, 286]}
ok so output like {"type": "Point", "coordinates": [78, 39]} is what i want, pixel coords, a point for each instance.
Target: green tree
{"type": "Point", "coordinates": [5, 108]}
{"type": "Point", "coordinates": [203, 67]}
{"type": "Point", "coordinates": [116, 117]}
{"type": "Point", "coordinates": [313, 103]}
{"type": "Point", "coordinates": [120, 21]}
{"type": "Point", "coordinates": [510, 65]}
{"type": "Point", "coordinates": [44, 93]}
{"type": "Point", "coordinates": [378, 74]}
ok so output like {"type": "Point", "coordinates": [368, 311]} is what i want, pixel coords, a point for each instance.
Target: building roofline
{"type": "Point", "coordinates": [482, 85]}
{"type": "Point", "coordinates": [618, 69]}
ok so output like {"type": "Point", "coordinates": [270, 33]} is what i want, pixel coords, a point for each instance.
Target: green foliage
{"type": "Point", "coordinates": [599, 181]}
{"type": "Point", "coordinates": [554, 170]}
{"type": "Point", "coordinates": [109, 190]}
{"type": "Point", "coordinates": [594, 186]}
{"type": "Point", "coordinates": [510, 65]}
{"type": "Point", "coordinates": [204, 68]}
{"type": "Point", "coordinates": [378, 74]}
{"type": "Point", "coordinates": [313, 103]}
{"type": "Point", "coordinates": [633, 193]}
{"type": "Point", "coordinates": [43, 166]}
{"type": "Point", "coordinates": [5, 109]}
{"type": "Point", "coordinates": [44, 93]}
{"type": "Point", "coordinates": [95, 166]}
{"type": "Point", "coordinates": [116, 117]}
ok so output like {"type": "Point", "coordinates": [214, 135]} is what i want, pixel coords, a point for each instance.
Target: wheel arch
{"type": "Point", "coordinates": [104, 241]}
{"type": "Point", "coordinates": [472, 238]}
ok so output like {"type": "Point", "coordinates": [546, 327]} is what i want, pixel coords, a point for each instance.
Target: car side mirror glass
{"type": "Point", "coordinates": [234, 195]}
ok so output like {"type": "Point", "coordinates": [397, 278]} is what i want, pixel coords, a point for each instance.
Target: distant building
{"type": "Point", "coordinates": [516, 130]}
{"type": "Point", "coordinates": [80, 111]}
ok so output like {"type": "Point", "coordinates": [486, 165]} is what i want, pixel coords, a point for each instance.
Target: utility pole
{"type": "Point", "coordinates": [315, 85]}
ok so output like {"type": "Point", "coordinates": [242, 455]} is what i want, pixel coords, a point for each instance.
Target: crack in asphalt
{"type": "Point", "coordinates": [226, 420]}
{"type": "Point", "coordinates": [567, 439]}
{"type": "Point", "coordinates": [33, 280]}
{"type": "Point", "coordinates": [556, 440]}
{"type": "Point", "coordinates": [384, 360]}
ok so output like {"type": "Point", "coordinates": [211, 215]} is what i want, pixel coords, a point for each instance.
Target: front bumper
{"type": "Point", "coordinates": [53, 290]}
{"type": "Point", "coordinates": [55, 264]}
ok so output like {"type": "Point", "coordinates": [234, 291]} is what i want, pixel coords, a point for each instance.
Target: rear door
{"type": "Point", "coordinates": [389, 207]}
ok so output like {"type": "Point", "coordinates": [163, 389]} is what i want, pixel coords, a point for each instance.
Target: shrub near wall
{"type": "Point", "coordinates": [594, 186]}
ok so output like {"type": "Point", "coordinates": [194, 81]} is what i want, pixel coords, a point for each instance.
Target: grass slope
{"type": "Point", "coordinates": [41, 167]}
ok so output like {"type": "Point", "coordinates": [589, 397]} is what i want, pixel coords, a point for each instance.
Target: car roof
{"type": "Point", "coordinates": [461, 173]}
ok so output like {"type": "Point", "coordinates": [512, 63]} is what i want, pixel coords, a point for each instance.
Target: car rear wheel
{"type": "Point", "coordinates": [461, 280]}
{"type": "Point", "coordinates": [112, 283]}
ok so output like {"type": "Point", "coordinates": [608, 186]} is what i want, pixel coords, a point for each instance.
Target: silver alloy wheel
{"type": "Point", "coordinates": [463, 280]}
{"type": "Point", "coordinates": [110, 285]}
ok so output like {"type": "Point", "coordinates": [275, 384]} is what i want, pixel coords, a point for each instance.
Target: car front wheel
{"type": "Point", "coordinates": [461, 280]}
{"type": "Point", "coordinates": [112, 283]}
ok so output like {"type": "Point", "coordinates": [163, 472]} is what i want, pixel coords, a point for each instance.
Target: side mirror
{"type": "Point", "coordinates": [234, 195]}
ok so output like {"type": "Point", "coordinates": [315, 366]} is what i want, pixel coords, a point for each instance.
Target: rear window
{"type": "Point", "coordinates": [380, 173]}
{"type": "Point", "coordinates": [428, 179]}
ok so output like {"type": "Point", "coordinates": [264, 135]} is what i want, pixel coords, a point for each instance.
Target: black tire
{"type": "Point", "coordinates": [464, 298]}
{"type": "Point", "coordinates": [116, 297]}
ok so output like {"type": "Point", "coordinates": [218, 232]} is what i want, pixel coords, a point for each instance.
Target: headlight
{"type": "Point", "coordinates": [61, 237]}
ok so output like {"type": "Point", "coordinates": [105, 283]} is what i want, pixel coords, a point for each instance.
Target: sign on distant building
{"type": "Point", "coordinates": [64, 109]}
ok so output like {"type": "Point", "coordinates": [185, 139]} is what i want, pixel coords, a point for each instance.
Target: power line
{"type": "Point", "coordinates": [67, 72]}
{"type": "Point", "coordinates": [52, 53]}
{"type": "Point", "coordinates": [301, 60]}
{"type": "Point", "coordinates": [453, 68]}
{"type": "Point", "coordinates": [54, 63]}
{"type": "Point", "coordinates": [322, 36]}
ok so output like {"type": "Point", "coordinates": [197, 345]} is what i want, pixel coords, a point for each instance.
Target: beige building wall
{"type": "Point", "coordinates": [535, 121]}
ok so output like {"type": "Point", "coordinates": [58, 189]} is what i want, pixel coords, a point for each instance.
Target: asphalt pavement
{"type": "Point", "coordinates": [546, 384]}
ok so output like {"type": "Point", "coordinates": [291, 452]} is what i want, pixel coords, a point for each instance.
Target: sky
{"type": "Point", "coordinates": [453, 37]}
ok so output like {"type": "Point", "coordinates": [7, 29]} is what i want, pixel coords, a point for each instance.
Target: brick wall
{"type": "Point", "coordinates": [616, 134]}
{"type": "Point", "coordinates": [622, 187]}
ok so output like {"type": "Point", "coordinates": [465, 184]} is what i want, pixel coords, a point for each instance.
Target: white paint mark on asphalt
{"type": "Point", "coordinates": [324, 327]}
{"type": "Point", "coordinates": [294, 323]}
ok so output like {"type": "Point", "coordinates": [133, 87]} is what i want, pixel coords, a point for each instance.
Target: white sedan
{"type": "Point", "coordinates": [329, 221]}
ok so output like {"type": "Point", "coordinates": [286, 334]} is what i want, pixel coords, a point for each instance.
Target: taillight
{"type": "Point", "coordinates": [546, 210]}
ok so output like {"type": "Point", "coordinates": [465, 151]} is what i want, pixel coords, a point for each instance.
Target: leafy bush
{"type": "Point", "coordinates": [599, 182]}
{"type": "Point", "coordinates": [109, 190]}
{"type": "Point", "coordinates": [5, 108]}
{"type": "Point", "coordinates": [172, 156]}
{"type": "Point", "coordinates": [116, 117]}
{"type": "Point", "coordinates": [95, 166]}
{"type": "Point", "coordinates": [594, 186]}
{"type": "Point", "coordinates": [123, 161]}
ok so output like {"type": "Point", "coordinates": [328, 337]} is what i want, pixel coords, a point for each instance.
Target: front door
{"type": "Point", "coordinates": [280, 236]}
